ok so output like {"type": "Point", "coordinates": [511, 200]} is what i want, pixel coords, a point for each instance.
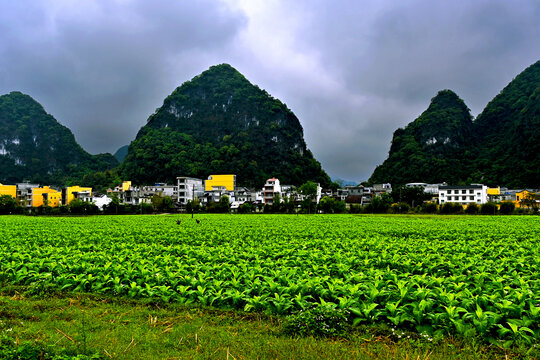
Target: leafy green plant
{"type": "Point", "coordinates": [319, 321]}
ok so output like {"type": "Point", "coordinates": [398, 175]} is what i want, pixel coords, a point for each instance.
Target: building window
{"type": "Point", "coordinates": [449, 198]}
{"type": "Point", "coordinates": [471, 191]}
{"type": "Point", "coordinates": [471, 197]}
{"type": "Point", "coordinates": [463, 191]}
{"type": "Point", "coordinates": [449, 191]}
{"type": "Point", "coordinates": [463, 198]}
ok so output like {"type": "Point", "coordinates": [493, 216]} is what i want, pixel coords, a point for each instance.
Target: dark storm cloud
{"type": "Point", "coordinates": [398, 55]}
{"type": "Point", "coordinates": [351, 71]}
{"type": "Point", "coordinates": [102, 67]}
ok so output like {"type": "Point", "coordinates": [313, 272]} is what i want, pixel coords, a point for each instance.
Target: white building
{"type": "Point", "coordinates": [475, 193]}
{"type": "Point", "coordinates": [271, 188]}
{"type": "Point", "coordinates": [428, 188]}
{"type": "Point", "coordinates": [189, 189]}
{"type": "Point", "coordinates": [101, 201]}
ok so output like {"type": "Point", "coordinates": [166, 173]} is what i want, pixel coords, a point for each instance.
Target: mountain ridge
{"type": "Point", "coordinates": [35, 146]}
{"type": "Point", "coordinates": [218, 122]}
{"type": "Point", "coordinates": [500, 147]}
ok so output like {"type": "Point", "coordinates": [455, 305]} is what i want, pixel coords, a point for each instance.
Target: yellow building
{"type": "Point", "coordinates": [10, 190]}
{"type": "Point", "coordinates": [220, 182]}
{"type": "Point", "coordinates": [74, 192]}
{"type": "Point", "coordinates": [526, 199]}
{"type": "Point", "coordinates": [126, 185]}
{"type": "Point", "coordinates": [45, 196]}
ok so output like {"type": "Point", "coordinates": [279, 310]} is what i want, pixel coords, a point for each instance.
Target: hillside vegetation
{"type": "Point", "coordinates": [35, 147]}
{"type": "Point", "coordinates": [500, 147]}
{"type": "Point", "coordinates": [221, 123]}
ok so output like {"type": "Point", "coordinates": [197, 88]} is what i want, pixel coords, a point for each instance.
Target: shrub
{"type": "Point", "coordinates": [245, 208]}
{"type": "Point", "coordinates": [320, 321]}
{"type": "Point", "coordinates": [379, 204]}
{"type": "Point", "coordinates": [146, 208]}
{"type": "Point", "coordinates": [472, 209]}
{"type": "Point", "coordinates": [507, 208]}
{"type": "Point", "coordinates": [401, 208]}
{"type": "Point", "coordinates": [451, 208]}
{"type": "Point", "coordinates": [429, 208]}
{"type": "Point", "coordinates": [488, 208]}
{"type": "Point", "coordinates": [330, 205]}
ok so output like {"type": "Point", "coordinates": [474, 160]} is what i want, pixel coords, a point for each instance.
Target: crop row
{"type": "Point", "coordinates": [450, 275]}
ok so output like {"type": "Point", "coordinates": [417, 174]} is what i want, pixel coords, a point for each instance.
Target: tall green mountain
{"type": "Point", "coordinates": [221, 123]}
{"type": "Point", "coordinates": [35, 147]}
{"type": "Point", "coordinates": [500, 147]}
{"type": "Point", "coordinates": [508, 134]}
{"type": "Point", "coordinates": [433, 148]}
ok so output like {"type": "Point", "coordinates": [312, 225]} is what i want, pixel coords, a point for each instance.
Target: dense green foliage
{"type": "Point", "coordinates": [433, 147]}
{"type": "Point", "coordinates": [501, 147]}
{"type": "Point", "coordinates": [508, 134]}
{"type": "Point", "coordinates": [447, 275]}
{"type": "Point", "coordinates": [35, 147]}
{"type": "Point", "coordinates": [219, 123]}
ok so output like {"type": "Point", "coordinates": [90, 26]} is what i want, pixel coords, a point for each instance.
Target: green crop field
{"type": "Point", "coordinates": [468, 276]}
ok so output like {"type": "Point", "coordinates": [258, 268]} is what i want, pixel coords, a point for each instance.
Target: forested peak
{"type": "Point", "coordinates": [216, 82]}
{"type": "Point", "coordinates": [447, 99]}
{"type": "Point", "coordinates": [13, 103]}
{"type": "Point", "coordinates": [34, 146]}
{"type": "Point", "coordinates": [219, 122]}
{"type": "Point", "coordinates": [446, 121]}
{"type": "Point", "coordinates": [501, 147]}
{"type": "Point", "coordinates": [429, 147]}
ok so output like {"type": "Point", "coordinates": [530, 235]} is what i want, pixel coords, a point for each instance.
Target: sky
{"type": "Point", "coordinates": [352, 71]}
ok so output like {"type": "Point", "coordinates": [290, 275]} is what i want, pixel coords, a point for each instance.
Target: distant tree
{"type": "Point", "coordinates": [8, 205]}
{"type": "Point", "coordinates": [146, 208]}
{"type": "Point", "coordinates": [330, 205]}
{"type": "Point", "coordinates": [379, 204]}
{"type": "Point", "coordinates": [309, 189]}
{"type": "Point", "coordinates": [79, 207]}
{"type": "Point", "coordinates": [193, 206]}
{"type": "Point", "coordinates": [472, 209]}
{"type": "Point", "coordinates": [334, 185]}
{"type": "Point", "coordinates": [411, 195]}
{"type": "Point", "coordinates": [401, 208]}
{"type": "Point", "coordinates": [224, 203]}
{"type": "Point", "coordinates": [451, 208]}
{"type": "Point", "coordinates": [429, 208]}
{"type": "Point", "coordinates": [507, 207]}
{"type": "Point", "coordinates": [245, 208]}
{"type": "Point", "coordinates": [162, 203]}
{"type": "Point", "coordinates": [488, 208]}
{"type": "Point", "coordinates": [288, 205]}
{"type": "Point", "coordinates": [276, 203]}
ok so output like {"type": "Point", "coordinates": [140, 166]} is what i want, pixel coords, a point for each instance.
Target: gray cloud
{"type": "Point", "coordinates": [351, 71]}
{"type": "Point", "coordinates": [103, 67]}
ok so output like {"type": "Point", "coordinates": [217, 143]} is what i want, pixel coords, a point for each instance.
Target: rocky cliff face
{"type": "Point", "coordinates": [221, 123]}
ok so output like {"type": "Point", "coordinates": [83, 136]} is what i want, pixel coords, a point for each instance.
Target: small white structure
{"type": "Point", "coordinates": [101, 201]}
{"type": "Point", "coordinates": [271, 188]}
{"type": "Point", "coordinates": [428, 188]}
{"type": "Point", "coordinates": [474, 193]}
